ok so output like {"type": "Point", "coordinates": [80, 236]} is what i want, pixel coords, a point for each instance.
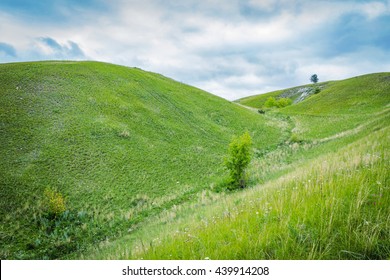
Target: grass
{"type": "Point", "coordinates": [137, 158]}
{"type": "Point", "coordinates": [335, 207]}
{"type": "Point", "coordinates": [104, 136]}
{"type": "Point", "coordinates": [323, 196]}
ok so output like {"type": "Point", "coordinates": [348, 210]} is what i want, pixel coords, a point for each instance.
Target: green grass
{"type": "Point", "coordinates": [139, 157]}
{"type": "Point", "coordinates": [335, 207]}
{"type": "Point", "coordinates": [323, 195]}
{"type": "Point", "coordinates": [119, 143]}
{"type": "Point", "coordinates": [340, 106]}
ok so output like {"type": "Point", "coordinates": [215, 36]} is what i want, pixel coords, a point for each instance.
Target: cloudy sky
{"type": "Point", "coordinates": [231, 48]}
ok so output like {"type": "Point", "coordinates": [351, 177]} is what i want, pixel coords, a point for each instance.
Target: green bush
{"type": "Point", "coordinates": [294, 138]}
{"type": "Point", "coordinates": [280, 103]}
{"type": "Point", "coordinates": [239, 156]}
{"type": "Point", "coordinates": [283, 102]}
{"type": "Point", "coordinates": [270, 102]}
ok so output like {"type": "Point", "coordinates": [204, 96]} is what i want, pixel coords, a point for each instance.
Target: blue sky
{"type": "Point", "coordinates": [230, 48]}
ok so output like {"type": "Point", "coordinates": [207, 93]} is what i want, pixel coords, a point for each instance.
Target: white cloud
{"type": "Point", "coordinates": [215, 46]}
{"type": "Point", "coordinates": [374, 9]}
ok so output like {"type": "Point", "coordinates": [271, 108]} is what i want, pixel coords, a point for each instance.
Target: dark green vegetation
{"type": "Point", "coordinates": [137, 157]}
{"type": "Point", "coordinates": [120, 144]}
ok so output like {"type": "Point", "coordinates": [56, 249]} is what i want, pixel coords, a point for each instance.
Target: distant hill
{"type": "Point", "coordinates": [346, 96]}
{"type": "Point", "coordinates": [339, 106]}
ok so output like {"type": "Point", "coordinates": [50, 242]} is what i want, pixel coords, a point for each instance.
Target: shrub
{"type": "Point", "coordinates": [54, 202]}
{"type": "Point", "coordinates": [283, 102]}
{"type": "Point", "coordinates": [270, 102]}
{"type": "Point", "coordinates": [317, 90]}
{"type": "Point", "coordinates": [294, 138]}
{"type": "Point", "coordinates": [280, 103]}
{"type": "Point", "coordinates": [239, 156]}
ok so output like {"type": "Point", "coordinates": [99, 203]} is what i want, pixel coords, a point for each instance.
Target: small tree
{"type": "Point", "coordinates": [238, 159]}
{"type": "Point", "coordinates": [314, 78]}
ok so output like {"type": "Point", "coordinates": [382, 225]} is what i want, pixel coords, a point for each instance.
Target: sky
{"type": "Point", "coordinates": [231, 48]}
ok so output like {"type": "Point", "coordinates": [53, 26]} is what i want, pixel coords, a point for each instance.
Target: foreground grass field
{"type": "Point", "coordinates": [334, 207]}
{"type": "Point", "coordinates": [138, 158]}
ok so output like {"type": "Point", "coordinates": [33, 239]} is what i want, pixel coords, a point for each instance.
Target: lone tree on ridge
{"type": "Point", "coordinates": [314, 78]}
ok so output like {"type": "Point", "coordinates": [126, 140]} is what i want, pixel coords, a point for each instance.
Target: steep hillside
{"type": "Point", "coordinates": [138, 159]}
{"type": "Point", "coordinates": [119, 143]}
{"type": "Point", "coordinates": [322, 194]}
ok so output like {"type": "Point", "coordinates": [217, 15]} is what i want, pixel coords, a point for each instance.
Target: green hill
{"type": "Point", "coordinates": [137, 157]}
{"type": "Point", "coordinates": [335, 97]}
{"type": "Point", "coordinates": [322, 194]}
{"type": "Point", "coordinates": [119, 143]}
{"type": "Point", "coordinates": [339, 106]}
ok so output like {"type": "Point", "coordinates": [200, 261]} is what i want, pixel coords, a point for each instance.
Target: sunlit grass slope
{"type": "Point", "coordinates": [339, 106]}
{"type": "Point", "coordinates": [119, 143]}
{"type": "Point", "coordinates": [295, 94]}
{"type": "Point", "coordinates": [342, 106]}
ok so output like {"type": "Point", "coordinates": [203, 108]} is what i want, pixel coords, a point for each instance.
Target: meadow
{"type": "Point", "coordinates": [138, 158]}
{"type": "Point", "coordinates": [120, 144]}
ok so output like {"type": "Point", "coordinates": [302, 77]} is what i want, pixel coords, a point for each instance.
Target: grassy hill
{"type": "Point", "coordinates": [339, 106]}
{"type": "Point", "coordinates": [296, 94]}
{"type": "Point", "coordinates": [322, 194]}
{"type": "Point", "coordinates": [119, 143]}
{"type": "Point", "coordinates": [137, 157]}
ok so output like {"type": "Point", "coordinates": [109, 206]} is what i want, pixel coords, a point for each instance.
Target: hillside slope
{"type": "Point", "coordinates": [329, 197]}
{"type": "Point", "coordinates": [137, 156]}
{"type": "Point", "coordinates": [339, 106]}
{"type": "Point", "coordinates": [344, 96]}
{"type": "Point", "coordinates": [119, 143]}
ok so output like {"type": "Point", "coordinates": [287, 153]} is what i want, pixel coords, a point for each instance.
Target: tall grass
{"type": "Point", "coordinates": [338, 207]}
